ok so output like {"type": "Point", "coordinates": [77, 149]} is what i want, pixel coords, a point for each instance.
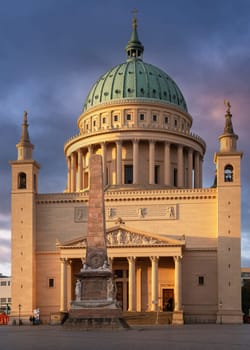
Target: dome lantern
{"type": "Point", "coordinates": [134, 48]}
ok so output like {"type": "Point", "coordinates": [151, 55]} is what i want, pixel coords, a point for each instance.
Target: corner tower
{"type": "Point", "coordinates": [228, 166]}
{"type": "Point", "coordinates": [23, 226]}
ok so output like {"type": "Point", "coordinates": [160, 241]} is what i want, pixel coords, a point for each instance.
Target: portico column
{"type": "Point", "coordinates": [131, 283]}
{"type": "Point", "coordinates": [180, 166]}
{"type": "Point", "coordinates": [167, 164]}
{"type": "Point", "coordinates": [178, 284]}
{"type": "Point", "coordinates": [73, 172]}
{"type": "Point", "coordinates": [84, 184]}
{"type": "Point", "coordinates": [90, 152]}
{"type": "Point", "coordinates": [135, 161]}
{"type": "Point", "coordinates": [69, 283]}
{"type": "Point", "coordinates": [196, 170]}
{"type": "Point", "coordinates": [190, 168]}
{"type": "Point", "coordinates": [154, 282]}
{"type": "Point", "coordinates": [200, 172]}
{"type": "Point", "coordinates": [79, 178]}
{"type": "Point", "coordinates": [151, 162]}
{"type": "Point", "coordinates": [63, 290]}
{"type": "Point", "coordinates": [69, 174]}
{"type": "Point", "coordinates": [118, 162]}
{"type": "Point", "coordinates": [104, 160]}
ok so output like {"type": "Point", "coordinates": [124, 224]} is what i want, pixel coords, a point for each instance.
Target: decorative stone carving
{"type": "Point", "coordinates": [78, 290]}
{"type": "Point", "coordinates": [80, 214]}
{"type": "Point", "coordinates": [121, 238]}
{"type": "Point", "coordinates": [141, 212]}
{"type": "Point", "coordinates": [171, 212]}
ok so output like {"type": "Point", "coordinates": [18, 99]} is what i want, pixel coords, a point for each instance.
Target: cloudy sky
{"type": "Point", "coordinates": [52, 51]}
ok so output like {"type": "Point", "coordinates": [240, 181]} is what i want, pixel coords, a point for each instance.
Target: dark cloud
{"type": "Point", "coordinates": [52, 51]}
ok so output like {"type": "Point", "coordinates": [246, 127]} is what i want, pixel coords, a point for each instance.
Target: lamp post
{"type": "Point", "coordinates": [19, 314]}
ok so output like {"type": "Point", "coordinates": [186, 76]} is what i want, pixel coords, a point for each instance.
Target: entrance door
{"type": "Point", "coordinates": [167, 299]}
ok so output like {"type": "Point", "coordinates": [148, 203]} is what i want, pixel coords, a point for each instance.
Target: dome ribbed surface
{"type": "Point", "coordinates": [135, 79]}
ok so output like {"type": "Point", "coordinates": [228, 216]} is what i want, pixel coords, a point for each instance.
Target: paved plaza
{"type": "Point", "coordinates": [193, 337]}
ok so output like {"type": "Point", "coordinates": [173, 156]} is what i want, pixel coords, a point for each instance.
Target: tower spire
{"type": "Point", "coordinates": [25, 147]}
{"type": "Point", "coordinates": [134, 48]}
{"type": "Point", "coordinates": [228, 140]}
{"type": "Point", "coordinates": [228, 129]}
{"type": "Point", "coordinates": [25, 133]}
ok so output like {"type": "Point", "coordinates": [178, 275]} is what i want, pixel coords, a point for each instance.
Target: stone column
{"type": "Point", "coordinates": [178, 311]}
{"type": "Point", "coordinates": [63, 291]}
{"type": "Point", "coordinates": [180, 173]}
{"type": "Point", "coordinates": [104, 162]}
{"type": "Point", "coordinates": [118, 162]}
{"type": "Point", "coordinates": [69, 283]}
{"type": "Point", "coordinates": [167, 164]}
{"type": "Point", "coordinates": [196, 170]}
{"type": "Point", "coordinates": [80, 172]}
{"type": "Point", "coordinates": [200, 172]}
{"type": "Point", "coordinates": [135, 161]}
{"type": "Point", "coordinates": [178, 284]}
{"type": "Point", "coordinates": [190, 168]}
{"type": "Point", "coordinates": [138, 289]}
{"type": "Point", "coordinates": [154, 283]}
{"type": "Point", "coordinates": [131, 283]}
{"type": "Point", "coordinates": [84, 166]}
{"type": "Point", "coordinates": [73, 172]}
{"type": "Point", "coordinates": [69, 174]}
{"type": "Point", "coordinates": [151, 162]}
{"type": "Point", "coordinates": [90, 152]}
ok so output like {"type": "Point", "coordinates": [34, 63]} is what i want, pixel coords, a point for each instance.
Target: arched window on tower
{"type": "Point", "coordinates": [22, 180]}
{"type": "Point", "coordinates": [228, 173]}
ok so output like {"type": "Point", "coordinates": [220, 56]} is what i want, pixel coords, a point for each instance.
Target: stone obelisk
{"type": "Point", "coordinates": [96, 254]}
{"type": "Point", "coordinates": [95, 302]}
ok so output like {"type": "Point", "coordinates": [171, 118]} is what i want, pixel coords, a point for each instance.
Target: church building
{"type": "Point", "coordinates": [173, 245]}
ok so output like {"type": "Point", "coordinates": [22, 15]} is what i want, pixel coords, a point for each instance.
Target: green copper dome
{"type": "Point", "coordinates": [135, 79]}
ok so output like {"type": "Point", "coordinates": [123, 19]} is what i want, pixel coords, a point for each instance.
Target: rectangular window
{"type": "Point", "coordinates": [142, 117]}
{"type": "Point", "coordinates": [128, 116]}
{"type": "Point", "coordinates": [3, 283]}
{"type": "Point", "coordinates": [200, 280]}
{"type": "Point", "coordinates": [103, 120]}
{"type": "Point", "coordinates": [128, 174]}
{"type": "Point", "coordinates": [154, 118]}
{"type": "Point", "coordinates": [175, 123]}
{"type": "Point", "coordinates": [51, 283]}
{"type": "Point", "coordinates": [166, 120]}
{"type": "Point", "coordinates": [115, 118]}
{"type": "Point", "coordinates": [94, 123]}
{"type": "Point", "coordinates": [3, 300]}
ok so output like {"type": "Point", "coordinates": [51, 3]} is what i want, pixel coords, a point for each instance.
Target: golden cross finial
{"type": "Point", "coordinates": [135, 11]}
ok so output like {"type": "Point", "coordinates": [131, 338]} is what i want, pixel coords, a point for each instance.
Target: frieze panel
{"type": "Point", "coordinates": [169, 212]}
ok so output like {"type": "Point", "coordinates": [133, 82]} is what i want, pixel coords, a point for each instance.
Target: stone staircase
{"type": "Point", "coordinates": [147, 318]}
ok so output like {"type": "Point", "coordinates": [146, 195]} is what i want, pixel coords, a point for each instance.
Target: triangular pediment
{"type": "Point", "coordinates": [123, 236]}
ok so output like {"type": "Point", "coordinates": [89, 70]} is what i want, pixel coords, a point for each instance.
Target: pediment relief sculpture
{"type": "Point", "coordinates": [123, 237]}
